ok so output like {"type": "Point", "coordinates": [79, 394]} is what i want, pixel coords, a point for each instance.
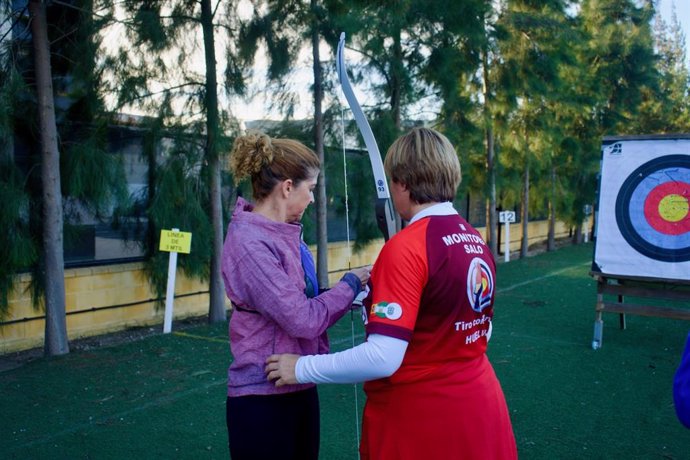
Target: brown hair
{"type": "Point", "coordinates": [268, 161]}
{"type": "Point", "coordinates": [425, 161]}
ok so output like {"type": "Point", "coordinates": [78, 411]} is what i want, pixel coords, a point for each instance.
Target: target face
{"type": "Point", "coordinates": [653, 209]}
{"type": "Point", "coordinates": [643, 207]}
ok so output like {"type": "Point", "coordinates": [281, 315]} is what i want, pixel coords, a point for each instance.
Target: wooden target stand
{"type": "Point", "coordinates": [640, 289]}
{"type": "Point", "coordinates": [641, 259]}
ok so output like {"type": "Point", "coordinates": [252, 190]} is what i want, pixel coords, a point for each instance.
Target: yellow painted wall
{"type": "Point", "coordinates": [86, 290]}
{"type": "Point", "coordinates": [125, 288]}
{"type": "Point", "coordinates": [537, 233]}
{"type": "Point", "coordinates": [338, 252]}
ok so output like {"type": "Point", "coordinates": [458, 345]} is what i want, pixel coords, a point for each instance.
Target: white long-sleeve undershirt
{"type": "Point", "coordinates": [380, 356]}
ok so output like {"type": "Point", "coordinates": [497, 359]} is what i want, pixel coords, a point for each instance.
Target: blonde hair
{"type": "Point", "coordinates": [426, 162]}
{"type": "Point", "coordinates": [268, 161]}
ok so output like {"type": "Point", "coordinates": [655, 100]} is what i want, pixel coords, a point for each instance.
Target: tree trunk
{"type": "Point", "coordinates": [7, 147]}
{"type": "Point", "coordinates": [577, 236]}
{"type": "Point", "coordinates": [397, 81]}
{"type": "Point", "coordinates": [396, 89]}
{"type": "Point", "coordinates": [56, 325]}
{"type": "Point", "coordinates": [492, 223]}
{"type": "Point", "coordinates": [551, 239]}
{"type": "Point", "coordinates": [321, 203]}
{"type": "Point", "coordinates": [216, 310]}
{"type": "Point", "coordinates": [524, 244]}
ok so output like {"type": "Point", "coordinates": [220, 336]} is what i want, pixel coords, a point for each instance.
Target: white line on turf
{"type": "Point", "coordinates": [534, 280]}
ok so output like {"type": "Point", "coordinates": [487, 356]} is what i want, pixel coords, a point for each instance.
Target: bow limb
{"type": "Point", "coordinates": [385, 216]}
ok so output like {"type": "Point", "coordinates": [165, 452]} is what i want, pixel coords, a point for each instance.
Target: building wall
{"type": "Point", "coordinates": [115, 297]}
{"type": "Point", "coordinates": [99, 300]}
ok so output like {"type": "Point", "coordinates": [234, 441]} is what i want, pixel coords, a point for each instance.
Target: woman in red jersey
{"type": "Point", "coordinates": [431, 391]}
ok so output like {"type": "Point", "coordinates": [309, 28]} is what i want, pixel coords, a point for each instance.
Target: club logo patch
{"type": "Point", "coordinates": [392, 311]}
{"type": "Point", "coordinates": [480, 285]}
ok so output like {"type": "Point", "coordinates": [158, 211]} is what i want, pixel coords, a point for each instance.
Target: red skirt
{"type": "Point", "coordinates": [458, 411]}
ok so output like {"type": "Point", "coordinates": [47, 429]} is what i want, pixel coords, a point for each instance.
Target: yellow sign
{"type": "Point", "coordinates": [174, 241]}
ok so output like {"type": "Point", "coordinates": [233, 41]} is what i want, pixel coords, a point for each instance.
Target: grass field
{"type": "Point", "coordinates": [164, 396]}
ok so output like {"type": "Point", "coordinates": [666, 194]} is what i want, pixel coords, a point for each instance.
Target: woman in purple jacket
{"type": "Point", "coordinates": [277, 307]}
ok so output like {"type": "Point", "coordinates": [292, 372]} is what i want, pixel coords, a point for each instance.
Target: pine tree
{"type": "Point", "coordinates": [532, 53]}
{"type": "Point", "coordinates": [54, 115]}
{"type": "Point", "coordinates": [411, 55]}
{"type": "Point", "coordinates": [620, 60]}
{"type": "Point", "coordinates": [666, 108]}
{"type": "Point", "coordinates": [616, 66]}
{"type": "Point", "coordinates": [155, 72]}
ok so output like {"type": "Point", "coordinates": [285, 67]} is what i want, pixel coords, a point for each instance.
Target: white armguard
{"type": "Point", "coordinates": [380, 356]}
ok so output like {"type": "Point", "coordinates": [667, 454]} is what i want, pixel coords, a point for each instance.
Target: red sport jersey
{"type": "Point", "coordinates": [435, 283]}
{"type": "Point", "coordinates": [433, 286]}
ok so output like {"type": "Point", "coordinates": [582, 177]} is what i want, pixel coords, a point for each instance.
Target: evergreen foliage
{"type": "Point", "coordinates": [180, 200]}
{"type": "Point", "coordinates": [95, 184]}
{"type": "Point", "coordinates": [156, 72]}
{"type": "Point", "coordinates": [667, 109]}
{"type": "Point", "coordinates": [620, 60]}
{"type": "Point", "coordinates": [21, 251]}
{"type": "Point", "coordinates": [525, 89]}
{"type": "Point", "coordinates": [616, 65]}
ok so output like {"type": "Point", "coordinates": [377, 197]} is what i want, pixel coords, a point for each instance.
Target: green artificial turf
{"type": "Point", "coordinates": [164, 396]}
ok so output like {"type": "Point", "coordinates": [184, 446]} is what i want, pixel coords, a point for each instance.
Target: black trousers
{"type": "Point", "coordinates": [284, 426]}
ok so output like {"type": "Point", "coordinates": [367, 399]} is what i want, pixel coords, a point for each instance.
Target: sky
{"type": "Point", "coordinates": [665, 7]}
{"type": "Point", "coordinates": [256, 108]}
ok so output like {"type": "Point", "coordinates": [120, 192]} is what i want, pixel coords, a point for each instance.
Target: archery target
{"type": "Point", "coordinates": [644, 209]}
{"type": "Point", "coordinates": [652, 209]}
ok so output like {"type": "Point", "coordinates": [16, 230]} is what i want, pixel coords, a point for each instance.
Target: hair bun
{"type": "Point", "coordinates": [250, 153]}
{"type": "Point", "coordinates": [264, 146]}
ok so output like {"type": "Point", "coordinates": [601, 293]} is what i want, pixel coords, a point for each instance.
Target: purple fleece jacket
{"type": "Point", "coordinates": [264, 279]}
